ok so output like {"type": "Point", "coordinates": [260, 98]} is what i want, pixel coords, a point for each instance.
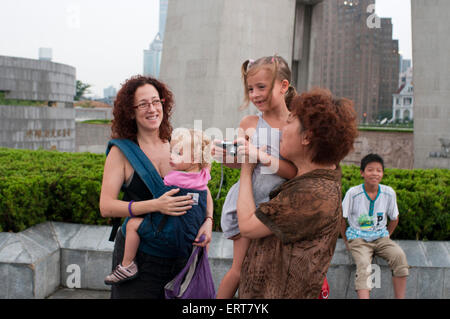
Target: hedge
{"type": "Point", "coordinates": [38, 186]}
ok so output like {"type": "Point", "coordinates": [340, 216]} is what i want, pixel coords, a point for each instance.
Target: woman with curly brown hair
{"type": "Point", "coordinates": [295, 233]}
{"type": "Point", "coordinates": [142, 113]}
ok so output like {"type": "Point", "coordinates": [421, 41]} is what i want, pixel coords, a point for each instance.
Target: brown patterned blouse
{"type": "Point", "coordinates": [304, 214]}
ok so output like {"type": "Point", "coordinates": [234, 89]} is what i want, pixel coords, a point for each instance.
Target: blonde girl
{"type": "Point", "coordinates": [267, 85]}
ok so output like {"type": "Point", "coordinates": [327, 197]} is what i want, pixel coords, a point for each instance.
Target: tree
{"type": "Point", "coordinates": [81, 89]}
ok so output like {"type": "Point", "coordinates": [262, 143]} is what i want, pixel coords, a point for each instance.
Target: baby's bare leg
{"type": "Point", "coordinates": [132, 241]}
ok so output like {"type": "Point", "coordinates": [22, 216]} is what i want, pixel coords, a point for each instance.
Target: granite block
{"type": "Point", "coordinates": [216, 245]}
{"type": "Point", "coordinates": [47, 275]}
{"type": "Point", "coordinates": [21, 283]}
{"type": "Point", "coordinates": [13, 251]}
{"type": "Point", "coordinates": [411, 283]}
{"type": "Point", "coordinates": [43, 235]}
{"type": "Point", "coordinates": [436, 253]}
{"type": "Point", "coordinates": [67, 293]}
{"type": "Point", "coordinates": [414, 253]}
{"type": "Point", "coordinates": [446, 294]}
{"type": "Point", "coordinates": [65, 232]}
{"type": "Point", "coordinates": [35, 250]}
{"type": "Point", "coordinates": [87, 238]}
{"type": "Point", "coordinates": [351, 292]}
{"type": "Point", "coordinates": [341, 255]}
{"type": "Point", "coordinates": [430, 283]}
{"type": "Point", "coordinates": [227, 248]}
{"type": "Point", "coordinates": [385, 290]}
{"type": "Point", "coordinates": [74, 268]}
{"type": "Point", "coordinates": [338, 277]}
{"type": "Point", "coordinates": [219, 267]}
{"type": "Point", "coordinates": [38, 260]}
{"type": "Point", "coordinates": [98, 267]}
{"type": "Point", "coordinates": [105, 244]}
{"type": "Point", "coordinates": [4, 237]}
{"type": "Point", "coordinates": [4, 284]}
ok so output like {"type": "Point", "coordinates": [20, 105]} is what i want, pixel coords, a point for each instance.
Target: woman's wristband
{"type": "Point", "coordinates": [129, 208]}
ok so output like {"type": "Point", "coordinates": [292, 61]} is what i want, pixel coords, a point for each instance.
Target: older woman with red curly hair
{"type": "Point", "coordinates": [142, 111]}
{"type": "Point", "coordinates": [295, 233]}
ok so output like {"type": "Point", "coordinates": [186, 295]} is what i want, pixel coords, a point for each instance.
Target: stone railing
{"type": "Point", "coordinates": [36, 262]}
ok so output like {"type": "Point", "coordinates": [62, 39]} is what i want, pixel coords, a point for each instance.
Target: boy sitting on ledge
{"type": "Point", "coordinates": [367, 207]}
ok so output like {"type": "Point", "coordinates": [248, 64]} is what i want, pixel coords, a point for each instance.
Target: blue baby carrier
{"type": "Point", "coordinates": [162, 235]}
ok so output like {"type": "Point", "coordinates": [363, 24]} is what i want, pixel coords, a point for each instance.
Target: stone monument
{"type": "Point", "coordinates": [206, 43]}
{"type": "Point", "coordinates": [430, 28]}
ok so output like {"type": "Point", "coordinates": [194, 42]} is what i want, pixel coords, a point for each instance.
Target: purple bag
{"type": "Point", "coordinates": [195, 280]}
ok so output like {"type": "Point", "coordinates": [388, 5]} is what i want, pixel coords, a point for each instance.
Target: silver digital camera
{"type": "Point", "coordinates": [230, 147]}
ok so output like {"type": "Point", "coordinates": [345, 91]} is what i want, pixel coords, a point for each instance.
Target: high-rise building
{"type": "Point", "coordinates": [45, 54]}
{"type": "Point", "coordinates": [109, 92]}
{"type": "Point", "coordinates": [406, 64]}
{"type": "Point", "coordinates": [152, 56]}
{"type": "Point", "coordinates": [357, 58]}
{"type": "Point", "coordinates": [163, 6]}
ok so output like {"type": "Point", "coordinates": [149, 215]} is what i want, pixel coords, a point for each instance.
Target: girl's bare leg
{"type": "Point", "coordinates": [230, 281]}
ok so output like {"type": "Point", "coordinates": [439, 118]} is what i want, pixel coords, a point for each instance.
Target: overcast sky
{"type": "Point", "coordinates": [104, 39]}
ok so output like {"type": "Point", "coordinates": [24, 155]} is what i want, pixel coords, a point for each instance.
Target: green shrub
{"type": "Point", "coordinates": [230, 177]}
{"type": "Point", "coordinates": [36, 186]}
{"type": "Point", "coordinates": [5, 101]}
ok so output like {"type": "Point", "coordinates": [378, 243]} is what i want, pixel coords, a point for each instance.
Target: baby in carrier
{"type": "Point", "coordinates": [190, 160]}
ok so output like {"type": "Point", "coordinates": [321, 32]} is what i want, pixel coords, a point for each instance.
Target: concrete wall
{"type": "Point", "coordinates": [33, 263]}
{"type": "Point", "coordinates": [396, 148]}
{"type": "Point", "coordinates": [28, 79]}
{"type": "Point", "coordinates": [28, 127]}
{"type": "Point", "coordinates": [431, 45]}
{"type": "Point", "coordinates": [205, 44]}
{"type": "Point", "coordinates": [83, 113]}
{"type": "Point", "coordinates": [92, 138]}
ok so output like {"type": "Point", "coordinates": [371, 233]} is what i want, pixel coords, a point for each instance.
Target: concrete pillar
{"type": "Point", "coordinates": [206, 43]}
{"type": "Point", "coordinates": [430, 29]}
{"type": "Point", "coordinates": [307, 29]}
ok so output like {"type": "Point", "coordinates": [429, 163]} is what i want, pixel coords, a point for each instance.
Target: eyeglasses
{"type": "Point", "coordinates": [146, 105]}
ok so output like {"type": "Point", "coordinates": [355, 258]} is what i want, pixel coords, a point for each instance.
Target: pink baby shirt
{"type": "Point", "coordinates": [198, 181]}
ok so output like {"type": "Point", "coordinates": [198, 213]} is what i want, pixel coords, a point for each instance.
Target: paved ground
{"type": "Point", "coordinates": [66, 293]}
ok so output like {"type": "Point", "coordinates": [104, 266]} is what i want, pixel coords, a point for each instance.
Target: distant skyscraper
{"type": "Point", "coordinates": [357, 61]}
{"type": "Point", "coordinates": [45, 54]}
{"type": "Point", "coordinates": [163, 5]}
{"type": "Point", "coordinates": [152, 56]}
{"type": "Point", "coordinates": [406, 64]}
{"type": "Point", "coordinates": [109, 92]}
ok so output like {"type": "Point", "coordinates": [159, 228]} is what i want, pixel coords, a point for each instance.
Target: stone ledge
{"type": "Point", "coordinates": [35, 262]}
{"type": "Point", "coordinates": [29, 263]}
